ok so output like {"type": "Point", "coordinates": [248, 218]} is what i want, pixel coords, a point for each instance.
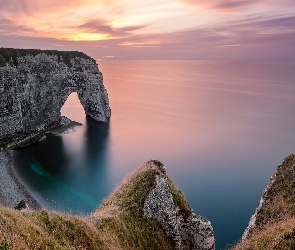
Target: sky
{"type": "Point", "coordinates": [154, 29]}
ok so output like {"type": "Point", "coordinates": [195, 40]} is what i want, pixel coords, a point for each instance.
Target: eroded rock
{"type": "Point", "coordinates": [21, 205]}
{"type": "Point", "coordinates": [193, 232]}
{"type": "Point", "coordinates": [34, 89]}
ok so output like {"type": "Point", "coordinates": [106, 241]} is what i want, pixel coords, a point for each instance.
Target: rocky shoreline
{"type": "Point", "coordinates": [12, 191]}
{"type": "Point", "coordinates": [65, 125]}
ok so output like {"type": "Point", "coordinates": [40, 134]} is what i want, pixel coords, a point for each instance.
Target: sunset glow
{"type": "Point", "coordinates": [167, 29]}
{"type": "Point", "coordinates": [88, 37]}
{"type": "Point", "coordinates": [148, 43]}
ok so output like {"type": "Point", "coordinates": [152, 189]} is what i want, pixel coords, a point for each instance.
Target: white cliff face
{"type": "Point", "coordinates": [252, 221]}
{"type": "Point", "coordinates": [284, 174]}
{"type": "Point", "coordinates": [33, 93]}
{"type": "Point", "coordinates": [193, 232]}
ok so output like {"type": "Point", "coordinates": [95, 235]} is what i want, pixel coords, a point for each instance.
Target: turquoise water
{"type": "Point", "coordinates": [221, 128]}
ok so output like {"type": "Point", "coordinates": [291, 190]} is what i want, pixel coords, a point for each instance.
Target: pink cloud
{"type": "Point", "coordinates": [33, 6]}
{"type": "Point", "coordinates": [240, 5]}
{"type": "Point", "coordinates": [264, 35]}
{"type": "Point", "coordinates": [103, 26]}
{"type": "Point", "coordinates": [222, 5]}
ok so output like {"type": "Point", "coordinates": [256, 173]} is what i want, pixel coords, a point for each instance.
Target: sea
{"type": "Point", "coordinates": [220, 127]}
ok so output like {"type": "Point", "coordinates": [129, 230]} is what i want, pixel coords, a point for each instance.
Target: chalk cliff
{"type": "Point", "coordinates": [35, 84]}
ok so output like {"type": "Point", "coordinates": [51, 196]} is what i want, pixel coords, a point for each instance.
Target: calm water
{"type": "Point", "coordinates": [221, 128]}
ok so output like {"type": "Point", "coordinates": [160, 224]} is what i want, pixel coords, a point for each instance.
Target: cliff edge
{"type": "Point", "coordinates": [34, 85]}
{"type": "Point", "coordinates": [273, 224]}
{"type": "Point", "coordinates": [146, 211]}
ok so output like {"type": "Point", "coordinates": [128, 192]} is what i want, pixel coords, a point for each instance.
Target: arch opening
{"type": "Point", "coordinates": [73, 109]}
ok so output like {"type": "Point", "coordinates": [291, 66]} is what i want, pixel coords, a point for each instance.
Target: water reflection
{"type": "Point", "coordinates": [97, 143]}
{"type": "Point", "coordinates": [64, 173]}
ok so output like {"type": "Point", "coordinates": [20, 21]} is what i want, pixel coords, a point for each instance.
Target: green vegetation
{"type": "Point", "coordinates": [180, 200]}
{"type": "Point", "coordinates": [9, 55]}
{"type": "Point", "coordinates": [117, 224]}
{"type": "Point", "coordinates": [4, 245]}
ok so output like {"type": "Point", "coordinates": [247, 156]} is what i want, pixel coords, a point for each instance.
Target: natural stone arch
{"type": "Point", "coordinates": [37, 88]}
{"type": "Point", "coordinates": [92, 97]}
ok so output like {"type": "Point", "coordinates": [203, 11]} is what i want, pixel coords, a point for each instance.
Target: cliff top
{"type": "Point", "coordinates": [6, 54]}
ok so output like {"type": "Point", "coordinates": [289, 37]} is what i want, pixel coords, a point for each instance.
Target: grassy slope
{"type": "Point", "coordinates": [279, 236]}
{"type": "Point", "coordinates": [275, 223]}
{"type": "Point", "coordinates": [117, 224]}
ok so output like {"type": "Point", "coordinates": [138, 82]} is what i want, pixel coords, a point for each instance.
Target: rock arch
{"type": "Point", "coordinates": [33, 92]}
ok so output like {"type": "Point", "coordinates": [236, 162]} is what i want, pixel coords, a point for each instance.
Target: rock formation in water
{"type": "Point", "coordinates": [34, 85]}
{"type": "Point", "coordinates": [146, 211]}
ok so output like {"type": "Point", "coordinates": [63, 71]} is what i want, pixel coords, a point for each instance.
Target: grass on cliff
{"type": "Point", "coordinates": [280, 236]}
{"type": "Point", "coordinates": [117, 224]}
{"type": "Point", "coordinates": [275, 221]}
{"type": "Point", "coordinates": [44, 230]}
{"type": "Point", "coordinates": [279, 200]}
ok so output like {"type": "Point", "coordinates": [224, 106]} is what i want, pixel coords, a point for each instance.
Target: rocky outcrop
{"type": "Point", "coordinates": [188, 232]}
{"type": "Point", "coordinates": [34, 85]}
{"type": "Point", "coordinates": [148, 197]}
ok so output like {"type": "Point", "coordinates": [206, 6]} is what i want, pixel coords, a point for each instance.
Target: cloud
{"type": "Point", "coordinates": [263, 33]}
{"type": "Point", "coordinates": [233, 4]}
{"type": "Point", "coordinates": [15, 6]}
{"type": "Point", "coordinates": [254, 38]}
{"type": "Point", "coordinates": [36, 6]}
{"type": "Point", "coordinates": [242, 5]}
{"type": "Point", "coordinates": [222, 5]}
{"type": "Point", "coordinates": [65, 19]}
{"type": "Point", "coordinates": [102, 26]}
{"type": "Point", "coordinates": [277, 23]}
{"type": "Point", "coordinates": [9, 27]}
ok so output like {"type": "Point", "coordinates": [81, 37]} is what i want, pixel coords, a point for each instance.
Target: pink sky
{"type": "Point", "coordinates": [155, 29]}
